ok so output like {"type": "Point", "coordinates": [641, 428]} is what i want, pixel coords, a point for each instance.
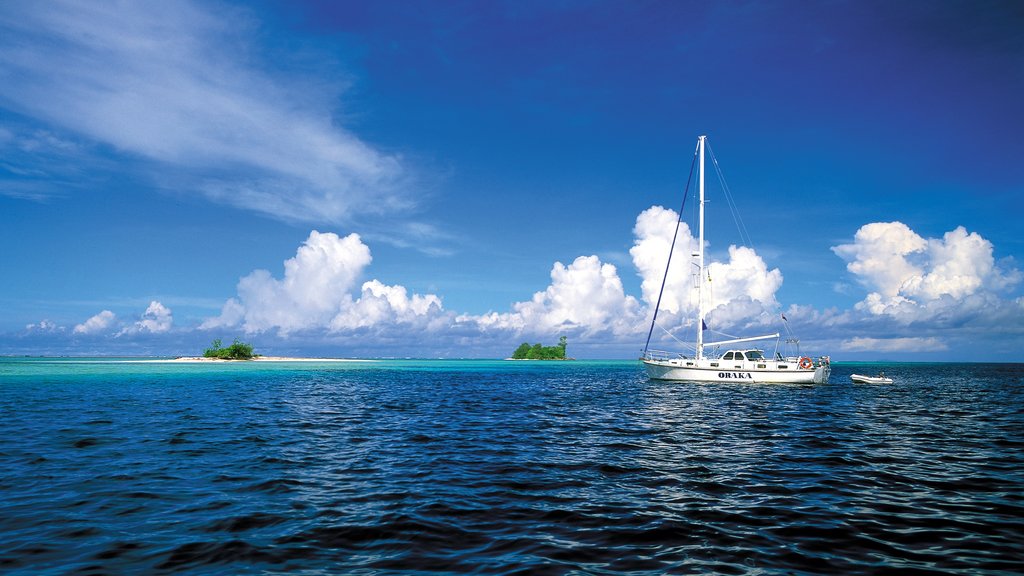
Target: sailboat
{"type": "Point", "coordinates": [735, 363]}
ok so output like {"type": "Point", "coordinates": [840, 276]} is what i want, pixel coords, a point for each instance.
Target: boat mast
{"type": "Point", "coordinates": [700, 257]}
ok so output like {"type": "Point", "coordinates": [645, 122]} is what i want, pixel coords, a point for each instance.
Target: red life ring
{"type": "Point", "coordinates": [806, 363]}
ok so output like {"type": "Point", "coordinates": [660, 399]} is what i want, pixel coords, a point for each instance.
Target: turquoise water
{"type": "Point", "coordinates": [495, 467]}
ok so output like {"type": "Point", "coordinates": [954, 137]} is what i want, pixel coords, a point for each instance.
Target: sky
{"type": "Point", "coordinates": [450, 179]}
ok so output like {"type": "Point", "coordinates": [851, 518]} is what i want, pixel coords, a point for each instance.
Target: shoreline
{"type": "Point", "coordinates": [540, 359]}
{"type": "Point", "coordinates": [195, 359]}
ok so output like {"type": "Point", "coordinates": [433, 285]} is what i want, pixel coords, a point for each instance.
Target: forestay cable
{"type": "Point", "coordinates": [671, 249]}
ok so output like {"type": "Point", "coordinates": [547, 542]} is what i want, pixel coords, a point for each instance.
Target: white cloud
{"type": "Point", "coordinates": [44, 326]}
{"type": "Point", "coordinates": [585, 297]}
{"type": "Point", "coordinates": [740, 287]}
{"type": "Point", "coordinates": [316, 293]}
{"type": "Point", "coordinates": [380, 304]}
{"type": "Point", "coordinates": [947, 283]}
{"type": "Point", "coordinates": [98, 323]}
{"type": "Point", "coordinates": [906, 344]}
{"type": "Point", "coordinates": [650, 251]}
{"type": "Point", "coordinates": [912, 278]}
{"type": "Point", "coordinates": [181, 83]}
{"type": "Point", "coordinates": [879, 256]}
{"type": "Point", "coordinates": [155, 320]}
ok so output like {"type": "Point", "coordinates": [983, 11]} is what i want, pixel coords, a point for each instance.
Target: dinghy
{"type": "Point", "coordinates": [861, 379]}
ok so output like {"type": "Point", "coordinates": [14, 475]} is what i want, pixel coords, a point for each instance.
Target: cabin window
{"type": "Point", "coordinates": [728, 356]}
{"type": "Point", "coordinates": [714, 364]}
{"type": "Point", "coordinates": [783, 366]}
{"type": "Point", "coordinates": [761, 366]}
{"type": "Point", "coordinates": [754, 355]}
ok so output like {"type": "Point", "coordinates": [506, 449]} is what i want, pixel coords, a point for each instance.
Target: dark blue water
{"type": "Point", "coordinates": [404, 467]}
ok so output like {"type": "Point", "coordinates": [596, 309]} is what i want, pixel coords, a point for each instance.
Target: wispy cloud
{"type": "Point", "coordinates": [44, 326]}
{"type": "Point", "coordinates": [907, 344]}
{"type": "Point", "coordinates": [183, 84]}
{"type": "Point", "coordinates": [421, 236]}
{"type": "Point", "coordinates": [38, 165]}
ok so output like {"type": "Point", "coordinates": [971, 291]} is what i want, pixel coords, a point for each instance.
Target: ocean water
{"type": "Point", "coordinates": [493, 467]}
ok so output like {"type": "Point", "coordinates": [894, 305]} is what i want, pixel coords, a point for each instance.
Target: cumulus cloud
{"type": "Point", "coordinates": [734, 290]}
{"type": "Point", "coordinates": [929, 283]}
{"type": "Point", "coordinates": [943, 297]}
{"type": "Point", "coordinates": [97, 324]}
{"type": "Point", "coordinates": [44, 326]}
{"type": "Point", "coordinates": [913, 278]}
{"type": "Point", "coordinates": [585, 297]}
{"type": "Point", "coordinates": [653, 241]}
{"type": "Point", "coordinates": [379, 304]}
{"type": "Point", "coordinates": [155, 320]}
{"type": "Point", "coordinates": [316, 293]}
{"type": "Point", "coordinates": [181, 83]}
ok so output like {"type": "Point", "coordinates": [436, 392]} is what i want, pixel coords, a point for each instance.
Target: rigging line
{"type": "Point", "coordinates": [734, 210]}
{"type": "Point", "coordinates": [673, 336]}
{"type": "Point", "coordinates": [742, 228]}
{"type": "Point", "coordinates": [726, 334]}
{"type": "Point", "coordinates": [785, 322]}
{"type": "Point", "coordinates": [672, 248]}
{"type": "Point", "coordinates": [740, 225]}
{"type": "Point", "coordinates": [711, 291]}
{"type": "Point", "coordinates": [744, 237]}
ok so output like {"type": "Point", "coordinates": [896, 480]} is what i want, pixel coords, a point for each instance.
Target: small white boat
{"type": "Point", "coordinates": [861, 379]}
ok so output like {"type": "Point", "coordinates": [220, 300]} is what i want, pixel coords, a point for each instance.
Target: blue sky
{"type": "Point", "coordinates": [454, 178]}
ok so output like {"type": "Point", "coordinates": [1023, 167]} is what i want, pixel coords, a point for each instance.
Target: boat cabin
{"type": "Point", "coordinates": [752, 355]}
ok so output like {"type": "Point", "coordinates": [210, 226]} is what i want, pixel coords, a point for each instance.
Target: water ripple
{"type": "Point", "coordinates": [506, 468]}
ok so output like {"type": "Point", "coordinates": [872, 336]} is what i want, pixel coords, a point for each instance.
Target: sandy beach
{"type": "Point", "coordinates": [259, 359]}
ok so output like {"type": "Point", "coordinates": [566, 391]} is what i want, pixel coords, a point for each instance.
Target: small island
{"type": "Point", "coordinates": [539, 352]}
{"type": "Point", "coordinates": [237, 351]}
{"type": "Point", "coordinates": [241, 351]}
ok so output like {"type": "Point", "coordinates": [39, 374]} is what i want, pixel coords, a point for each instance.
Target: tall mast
{"type": "Point", "coordinates": [700, 257]}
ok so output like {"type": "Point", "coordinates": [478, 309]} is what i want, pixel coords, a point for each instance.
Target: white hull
{"type": "Point", "coordinates": [715, 370]}
{"type": "Point", "coordinates": [870, 379]}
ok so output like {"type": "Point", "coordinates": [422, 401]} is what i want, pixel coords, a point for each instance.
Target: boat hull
{"type": "Point", "coordinates": [860, 379]}
{"type": "Point", "coordinates": [706, 371]}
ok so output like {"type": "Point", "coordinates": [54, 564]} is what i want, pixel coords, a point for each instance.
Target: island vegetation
{"type": "Point", "coordinates": [539, 352]}
{"type": "Point", "coordinates": [237, 351]}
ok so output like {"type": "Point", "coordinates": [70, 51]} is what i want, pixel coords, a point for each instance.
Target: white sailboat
{"type": "Point", "coordinates": [735, 364]}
